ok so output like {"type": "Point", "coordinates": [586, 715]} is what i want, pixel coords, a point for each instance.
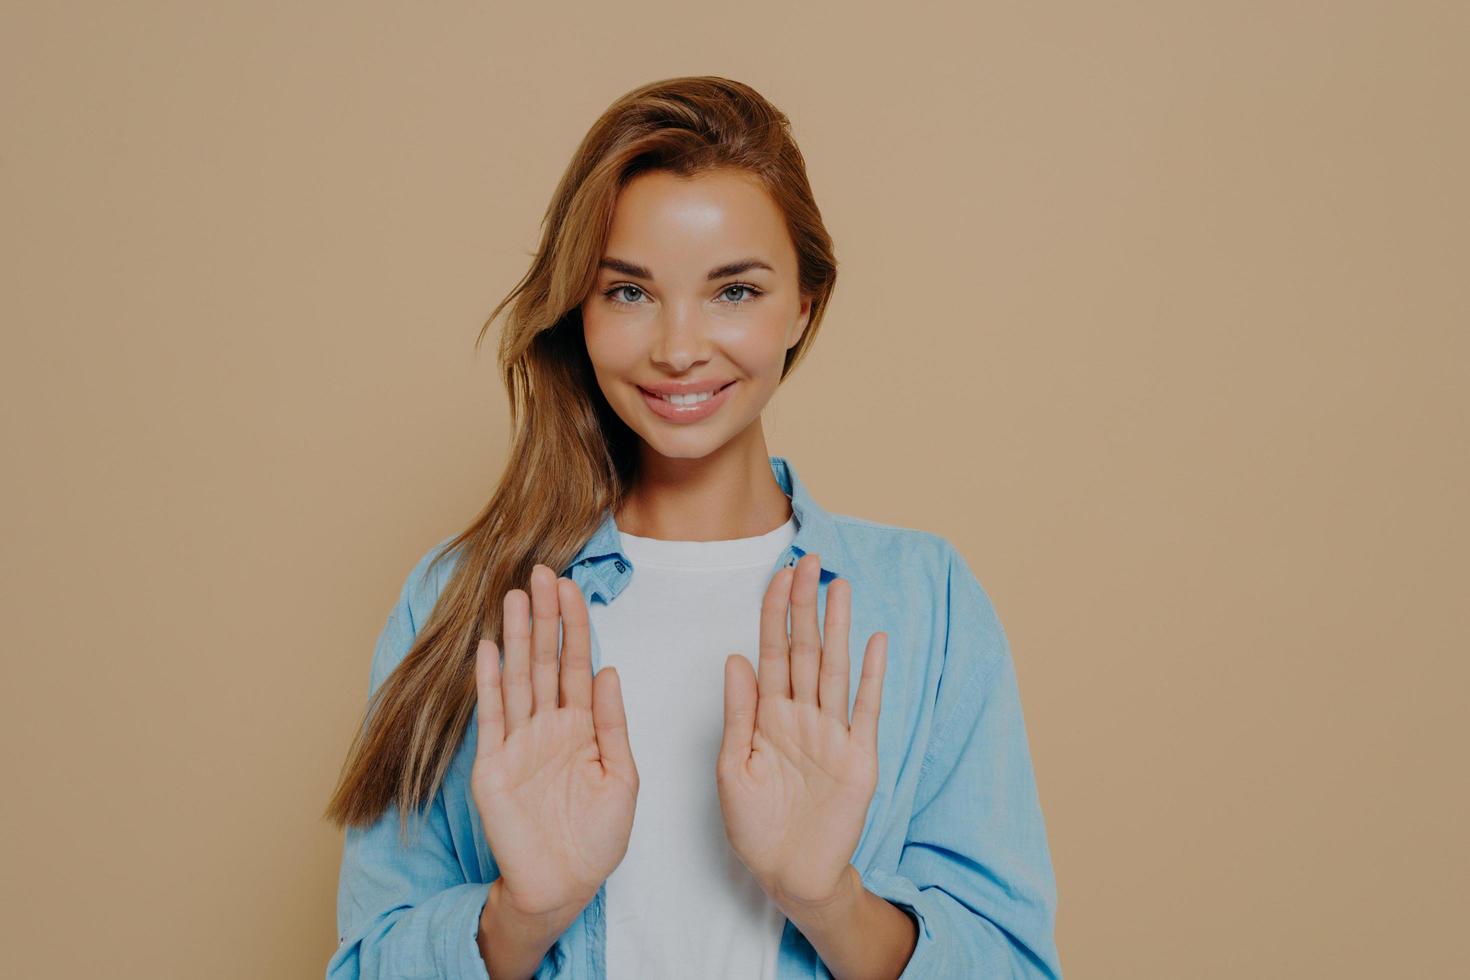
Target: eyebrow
{"type": "Point", "coordinates": [720, 272]}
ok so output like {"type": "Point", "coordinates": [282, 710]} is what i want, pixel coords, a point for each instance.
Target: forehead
{"type": "Point", "coordinates": [680, 226]}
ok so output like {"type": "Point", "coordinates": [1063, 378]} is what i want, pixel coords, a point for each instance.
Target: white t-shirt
{"type": "Point", "coordinates": [681, 904]}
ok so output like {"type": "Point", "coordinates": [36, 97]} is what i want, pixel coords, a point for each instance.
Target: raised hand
{"type": "Point", "coordinates": [553, 776]}
{"type": "Point", "coordinates": [795, 778]}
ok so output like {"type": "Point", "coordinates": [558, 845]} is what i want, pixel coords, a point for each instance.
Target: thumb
{"type": "Point", "coordinates": [740, 702]}
{"type": "Point", "coordinates": [610, 722]}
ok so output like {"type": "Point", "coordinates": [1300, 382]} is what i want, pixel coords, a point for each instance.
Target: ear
{"type": "Point", "coordinates": [798, 326]}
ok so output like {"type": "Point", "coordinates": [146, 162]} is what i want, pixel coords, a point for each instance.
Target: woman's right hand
{"type": "Point", "coordinates": [553, 778]}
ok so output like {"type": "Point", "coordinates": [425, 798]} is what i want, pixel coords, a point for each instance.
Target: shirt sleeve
{"type": "Point", "coordinates": [976, 871]}
{"type": "Point", "coordinates": [404, 909]}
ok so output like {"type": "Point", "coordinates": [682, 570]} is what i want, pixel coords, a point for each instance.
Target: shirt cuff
{"type": "Point", "coordinates": [463, 930]}
{"type": "Point", "coordinates": [927, 959]}
{"type": "Point", "coordinates": [462, 938]}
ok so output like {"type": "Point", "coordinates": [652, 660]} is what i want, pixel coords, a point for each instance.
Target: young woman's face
{"type": "Point", "coordinates": [697, 292]}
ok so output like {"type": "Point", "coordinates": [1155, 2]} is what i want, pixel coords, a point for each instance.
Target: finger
{"type": "Point", "coordinates": [489, 707]}
{"type": "Point", "coordinates": [576, 647]}
{"type": "Point", "coordinates": [516, 681]}
{"type": "Point", "coordinates": [740, 703]}
{"type": "Point", "coordinates": [545, 629]}
{"type": "Point", "coordinates": [610, 722]}
{"type": "Point", "coordinates": [835, 679]}
{"type": "Point", "coordinates": [806, 642]}
{"type": "Point", "coordinates": [870, 692]}
{"type": "Point", "coordinates": [774, 671]}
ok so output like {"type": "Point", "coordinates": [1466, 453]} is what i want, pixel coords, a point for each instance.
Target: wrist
{"type": "Point", "coordinates": [838, 906]}
{"type": "Point", "coordinates": [503, 916]}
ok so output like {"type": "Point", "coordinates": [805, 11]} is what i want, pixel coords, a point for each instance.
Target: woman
{"type": "Point", "coordinates": [857, 800]}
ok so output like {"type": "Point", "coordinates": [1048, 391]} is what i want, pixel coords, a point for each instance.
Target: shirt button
{"type": "Point", "coordinates": [620, 566]}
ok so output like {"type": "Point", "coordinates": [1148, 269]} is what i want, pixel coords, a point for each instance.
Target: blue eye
{"type": "Point", "coordinates": [750, 293]}
{"type": "Point", "coordinates": [619, 288]}
{"type": "Point", "coordinates": [740, 285]}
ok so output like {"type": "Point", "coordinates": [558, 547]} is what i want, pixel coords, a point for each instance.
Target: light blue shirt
{"type": "Point", "coordinates": [954, 834]}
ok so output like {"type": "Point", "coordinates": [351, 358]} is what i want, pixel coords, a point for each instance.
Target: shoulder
{"type": "Point", "coordinates": [904, 551]}
{"type": "Point", "coordinates": [424, 582]}
{"type": "Point", "coordinates": [416, 599]}
{"type": "Point", "coordinates": [872, 541]}
{"type": "Point", "coordinates": [923, 563]}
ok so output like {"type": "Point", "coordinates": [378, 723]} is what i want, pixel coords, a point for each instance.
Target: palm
{"type": "Point", "coordinates": [795, 799]}
{"type": "Point", "coordinates": [798, 802]}
{"type": "Point", "coordinates": [552, 816]}
{"type": "Point", "coordinates": [555, 786]}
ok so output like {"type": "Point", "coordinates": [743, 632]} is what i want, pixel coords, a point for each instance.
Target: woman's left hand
{"type": "Point", "coordinates": [795, 778]}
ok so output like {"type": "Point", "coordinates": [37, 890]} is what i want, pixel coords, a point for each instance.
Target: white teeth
{"type": "Point", "coordinates": [690, 399]}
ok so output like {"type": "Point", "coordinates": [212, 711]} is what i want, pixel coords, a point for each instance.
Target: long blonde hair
{"type": "Point", "coordinates": [571, 457]}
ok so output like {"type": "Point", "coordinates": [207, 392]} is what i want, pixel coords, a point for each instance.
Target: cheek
{"type": "Point", "coordinates": [606, 366]}
{"type": "Point", "coordinates": [758, 348]}
{"type": "Point", "coordinates": [605, 348]}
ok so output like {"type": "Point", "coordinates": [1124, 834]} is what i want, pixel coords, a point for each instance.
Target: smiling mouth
{"type": "Point", "coordinates": [691, 398]}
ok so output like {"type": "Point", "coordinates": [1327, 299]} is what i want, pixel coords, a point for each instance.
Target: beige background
{"type": "Point", "coordinates": [1157, 310]}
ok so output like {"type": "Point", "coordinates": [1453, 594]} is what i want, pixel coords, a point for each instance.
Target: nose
{"type": "Point", "coordinates": [681, 339]}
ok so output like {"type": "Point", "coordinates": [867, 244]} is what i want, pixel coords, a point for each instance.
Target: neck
{"type": "Point", "coordinates": [730, 493]}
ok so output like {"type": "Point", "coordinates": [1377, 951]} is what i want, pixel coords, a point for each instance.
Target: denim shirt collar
{"type": "Point", "coordinates": [607, 569]}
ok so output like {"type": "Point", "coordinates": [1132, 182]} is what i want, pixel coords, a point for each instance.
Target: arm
{"type": "Point", "coordinates": [857, 935]}
{"type": "Point", "coordinates": [405, 909]}
{"type": "Point", "coordinates": [512, 945]}
{"type": "Point", "coordinates": [976, 871]}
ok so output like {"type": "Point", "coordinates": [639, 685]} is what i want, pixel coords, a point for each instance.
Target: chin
{"type": "Point", "coordinates": [689, 446]}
